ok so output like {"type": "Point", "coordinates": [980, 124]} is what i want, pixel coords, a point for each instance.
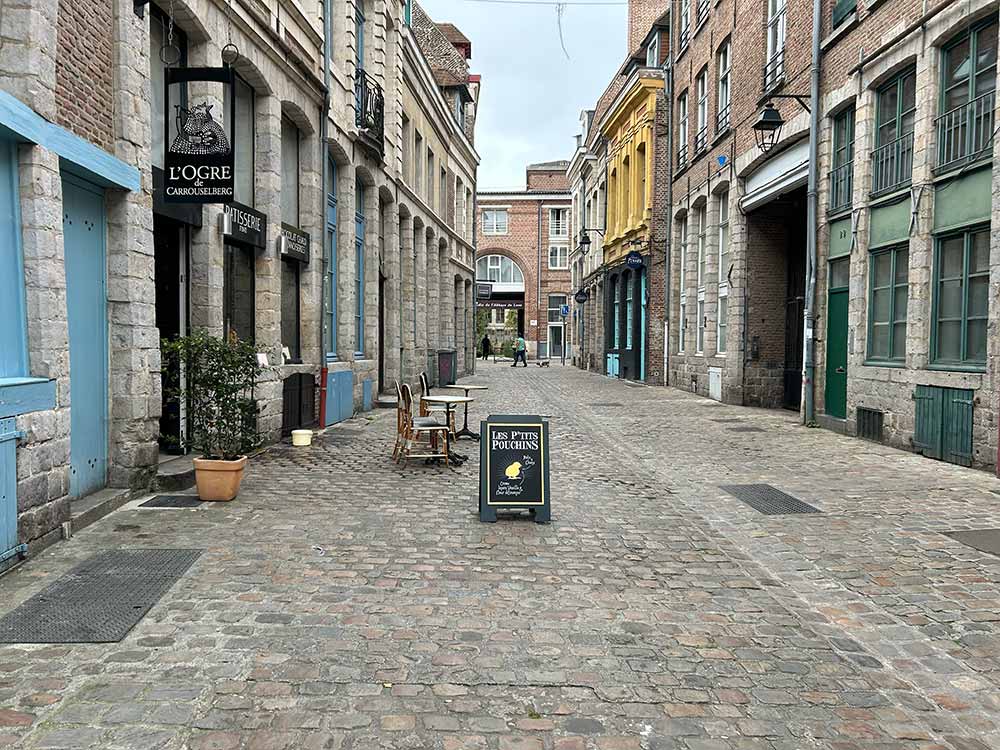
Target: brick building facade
{"type": "Point", "coordinates": [523, 249]}
{"type": "Point", "coordinates": [96, 267]}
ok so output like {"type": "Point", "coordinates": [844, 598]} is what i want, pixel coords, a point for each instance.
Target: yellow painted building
{"type": "Point", "coordinates": [629, 133]}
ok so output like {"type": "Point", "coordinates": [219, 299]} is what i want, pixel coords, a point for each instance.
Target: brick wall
{"type": "Point", "coordinates": [85, 70]}
{"type": "Point", "coordinates": [555, 180]}
{"type": "Point", "coordinates": [641, 15]}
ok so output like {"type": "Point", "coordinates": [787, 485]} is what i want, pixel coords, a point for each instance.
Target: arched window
{"type": "Point", "coordinates": [502, 271]}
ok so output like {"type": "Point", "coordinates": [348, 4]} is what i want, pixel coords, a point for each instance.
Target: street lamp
{"type": "Point", "coordinates": [585, 239]}
{"type": "Point", "coordinates": [767, 129]}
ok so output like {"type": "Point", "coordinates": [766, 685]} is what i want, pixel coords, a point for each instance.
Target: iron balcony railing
{"type": "Point", "coordinates": [841, 187]}
{"type": "Point", "coordinates": [892, 164]}
{"type": "Point", "coordinates": [683, 36]}
{"type": "Point", "coordinates": [965, 134]}
{"type": "Point", "coordinates": [701, 140]}
{"type": "Point", "coordinates": [701, 12]}
{"type": "Point", "coordinates": [370, 109]}
{"type": "Point", "coordinates": [682, 156]}
{"type": "Point", "coordinates": [774, 70]}
{"type": "Point", "coordinates": [722, 120]}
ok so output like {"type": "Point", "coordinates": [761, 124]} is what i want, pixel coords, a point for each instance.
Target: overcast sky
{"type": "Point", "coordinates": [532, 95]}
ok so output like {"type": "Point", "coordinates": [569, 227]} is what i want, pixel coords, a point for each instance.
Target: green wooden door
{"type": "Point", "coordinates": [835, 393]}
{"type": "Point", "coordinates": [943, 426]}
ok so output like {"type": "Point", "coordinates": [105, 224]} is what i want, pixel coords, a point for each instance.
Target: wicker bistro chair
{"type": "Point", "coordinates": [427, 410]}
{"type": "Point", "coordinates": [417, 429]}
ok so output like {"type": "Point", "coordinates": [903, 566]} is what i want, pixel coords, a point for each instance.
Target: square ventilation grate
{"type": "Point", "coordinates": [100, 600]}
{"type": "Point", "coordinates": [172, 501]}
{"type": "Point", "coordinates": [767, 499]}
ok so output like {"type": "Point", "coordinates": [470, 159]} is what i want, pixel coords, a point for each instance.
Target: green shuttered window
{"type": "Point", "coordinates": [887, 304]}
{"type": "Point", "coordinates": [961, 298]}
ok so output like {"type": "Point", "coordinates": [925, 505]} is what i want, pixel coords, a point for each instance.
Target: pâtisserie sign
{"type": "Point", "coordinates": [199, 164]}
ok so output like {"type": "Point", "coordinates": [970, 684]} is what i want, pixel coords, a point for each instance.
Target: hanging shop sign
{"type": "Point", "coordinates": [634, 260]}
{"type": "Point", "coordinates": [514, 466]}
{"type": "Point", "coordinates": [242, 224]}
{"type": "Point", "coordinates": [199, 161]}
{"type": "Point", "coordinates": [484, 290]}
{"type": "Point", "coordinates": [582, 297]}
{"type": "Point", "coordinates": [501, 304]}
{"type": "Point", "coordinates": [293, 243]}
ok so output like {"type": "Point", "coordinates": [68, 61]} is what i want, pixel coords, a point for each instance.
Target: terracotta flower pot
{"type": "Point", "coordinates": [218, 480]}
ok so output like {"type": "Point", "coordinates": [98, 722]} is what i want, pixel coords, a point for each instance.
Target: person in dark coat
{"type": "Point", "coordinates": [487, 347]}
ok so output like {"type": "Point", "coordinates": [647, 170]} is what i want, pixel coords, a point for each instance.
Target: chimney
{"type": "Point", "coordinates": [641, 15]}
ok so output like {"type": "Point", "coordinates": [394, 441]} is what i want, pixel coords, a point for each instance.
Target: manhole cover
{"type": "Point", "coordinates": [99, 600]}
{"type": "Point", "coordinates": [745, 429]}
{"type": "Point", "coordinates": [172, 501]}
{"type": "Point", "coordinates": [608, 404]}
{"type": "Point", "coordinates": [767, 499]}
{"type": "Point", "coordinates": [984, 540]}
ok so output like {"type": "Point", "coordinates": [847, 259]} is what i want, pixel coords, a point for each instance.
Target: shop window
{"type": "Point", "coordinates": [291, 312]}
{"type": "Point", "coordinates": [158, 39]}
{"type": "Point", "coordinates": [887, 303]}
{"type": "Point", "coordinates": [243, 143]}
{"type": "Point", "coordinates": [965, 129]}
{"type": "Point", "coordinates": [961, 299]}
{"type": "Point", "coordinates": [13, 319]}
{"type": "Point", "coordinates": [239, 286]}
{"type": "Point", "coordinates": [629, 311]}
{"type": "Point", "coordinates": [495, 221]}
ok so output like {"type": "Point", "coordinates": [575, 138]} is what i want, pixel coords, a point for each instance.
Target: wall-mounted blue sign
{"type": "Point", "coordinates": [634, 260]}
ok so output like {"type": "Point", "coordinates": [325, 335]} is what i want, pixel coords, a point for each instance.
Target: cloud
{"type": "Point", "coordinates": [532, 95]}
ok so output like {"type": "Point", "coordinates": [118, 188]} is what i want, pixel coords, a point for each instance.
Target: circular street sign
{"type": "Point", "coordinates": [634, 260]}
{"type": "Point", "coordinates": [582, 297]}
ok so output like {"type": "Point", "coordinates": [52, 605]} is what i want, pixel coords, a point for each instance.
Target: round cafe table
{"type": "Point", "coordinates": [450, 402]}
{"type": "Point", "coordinates": [465, 431]}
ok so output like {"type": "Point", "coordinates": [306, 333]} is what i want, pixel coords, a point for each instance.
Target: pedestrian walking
{"type": "Point", "coordinates": [487, 347]}
{"type": "Point", "coordinates": [520, 352]}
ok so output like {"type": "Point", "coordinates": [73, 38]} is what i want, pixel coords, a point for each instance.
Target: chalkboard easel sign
{"type": "Point", "coordinates": [514, 466]}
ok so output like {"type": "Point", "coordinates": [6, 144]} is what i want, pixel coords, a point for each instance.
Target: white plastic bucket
{"type": "Point", "coordinates": [302, 438]}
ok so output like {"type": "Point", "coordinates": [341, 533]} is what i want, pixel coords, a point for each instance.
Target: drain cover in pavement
{"type": "Point", "coordinates": [745, 429]}
{"type": "Point", "coordinates": [728, 420]}
{"type": "Point", "coordinates": [601, 404]}
{"type": "Point", "coordinates": [172, 501]}
{"type": "Point", "coordinates": [767, 499]}
{"type": "Point", "coordinates": [984, 540]}
{"type": "Point", "coordinates": [99, 600]}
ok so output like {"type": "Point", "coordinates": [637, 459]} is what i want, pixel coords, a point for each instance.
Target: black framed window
{"type": "Point", "coordinates": [291, 309]}
{"type": "Point", "coordinates": [239, 290]}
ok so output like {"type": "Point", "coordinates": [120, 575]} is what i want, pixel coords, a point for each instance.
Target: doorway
{"type": "Point", "coordinates": [171, 263]}
{"type": "Point", "coordinates": [381, 332]}
{"type": "Point", "coordinates": [86, 306]}
{"type": "Point", "coordinates": [835, 392]}
{"type": "Point", "coordinates": [555, 340]}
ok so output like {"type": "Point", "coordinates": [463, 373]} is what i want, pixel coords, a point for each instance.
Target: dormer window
{"type": "Point", "coordinates": [653, 53]}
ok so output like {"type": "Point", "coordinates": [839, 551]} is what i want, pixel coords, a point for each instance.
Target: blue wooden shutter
{"type": "Point", "coordinates": [13, 321]}
{"type": "Point", "coordinates": [8, 493]}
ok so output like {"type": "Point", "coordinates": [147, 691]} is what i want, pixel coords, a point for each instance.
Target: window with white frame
{"type": "Point", "coordinates": [700, 223]}
{"type": "Point", "coordinates": [559, 257]}
{"type": "Point", "coordinates": [701, 134]}
{"type": "Point", "coordinates": [556, 302]}
{"type": "Point", "coordinates": [723, 316]}
{"type": "Point", "coordinates": [495, 221]}
{"type": "Point", "coordinates": [722, 66]}
{"type": "Point", "coordinates": [500, 270]}
{"type": "Point", "coordinates": [774, 69]}
{"type": "Point", "coordinates": [682, 278]}
{"type": "Point", "coordinates": [653, 52]}
{"type": "Point", "coordinates": [558, 222]}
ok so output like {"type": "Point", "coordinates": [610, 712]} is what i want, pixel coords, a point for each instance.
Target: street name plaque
{"type": "Point", "coordinates": [514, 466]}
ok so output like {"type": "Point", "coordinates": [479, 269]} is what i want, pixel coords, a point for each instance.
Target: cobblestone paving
{"type": "Point", "coordinates": [344, 603]}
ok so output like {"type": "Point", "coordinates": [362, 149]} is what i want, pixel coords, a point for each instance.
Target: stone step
{"type": "Point", "coordinates": [92, 508]}
{"type": "Point", "coordinates": [175, 475]}
{"type": "Point", "coordinates": [385, 401]}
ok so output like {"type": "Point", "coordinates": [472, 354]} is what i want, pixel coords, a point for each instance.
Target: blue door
{"type": "Point", "coordinates": [8, 494]}
{"type": "Point", "coordinates": [86, 304]}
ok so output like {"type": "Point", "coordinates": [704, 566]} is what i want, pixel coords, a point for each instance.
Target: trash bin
{"type": "Point", "coordinates": [447, 366]}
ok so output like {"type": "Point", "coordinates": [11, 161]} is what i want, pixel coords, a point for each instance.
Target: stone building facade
{"type": "Point", "coordinates": [523, 250]}
{"type": "Point", "coordinates": [96, 267]}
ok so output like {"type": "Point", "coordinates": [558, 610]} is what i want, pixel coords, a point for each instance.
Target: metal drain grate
{"type": "Point", "coordinates": [172, 501]}
{"type": "Point", "coordinates": [100, 600]}
{"type": "Point", "coordinates": [610, 404]}
{"type": "Point", "coordinates": [745, 429]}
{"type": "Point", "coordinates": [984, 540]}
{"type": "Point", "coordinates": [767, 499]}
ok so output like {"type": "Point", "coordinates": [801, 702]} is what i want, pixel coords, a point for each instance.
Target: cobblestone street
{"type": "Point", "coordinates": [342, 602]}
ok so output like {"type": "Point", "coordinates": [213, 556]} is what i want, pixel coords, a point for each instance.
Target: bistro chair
{"type": "Point", "coordinates": [417, 429]}
{"type": "Point", "coordinates": [427, 409]}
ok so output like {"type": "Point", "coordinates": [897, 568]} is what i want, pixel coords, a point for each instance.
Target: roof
{"type": "Point", "coordinates": [545, 166]}
{"type": "Point", "coordinates": [452, 33]}
{"type": "Point", "coordinates": [448, 78]}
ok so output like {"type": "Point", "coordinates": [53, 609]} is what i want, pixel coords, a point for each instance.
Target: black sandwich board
{"type": "Point", "coordinates": [514, 466]}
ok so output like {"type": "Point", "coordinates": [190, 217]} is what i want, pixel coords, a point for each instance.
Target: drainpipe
{"type": "Point", "coordinates": [325, 159]}
{"type": "Point", "coordinates": [538, 293]}
{"type": "Point", "coordinates": [475, 289]}
{"type": "Point", "coordinates": [668, 72]}
{"type": "Point", "coordinates": [809, 361]}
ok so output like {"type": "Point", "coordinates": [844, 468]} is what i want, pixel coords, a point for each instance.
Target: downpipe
{"type": "Point", "coordinates": [809, 353]}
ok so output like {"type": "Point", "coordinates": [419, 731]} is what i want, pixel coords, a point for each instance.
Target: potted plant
{"type": "Point", "coordinates": [216, 384]}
